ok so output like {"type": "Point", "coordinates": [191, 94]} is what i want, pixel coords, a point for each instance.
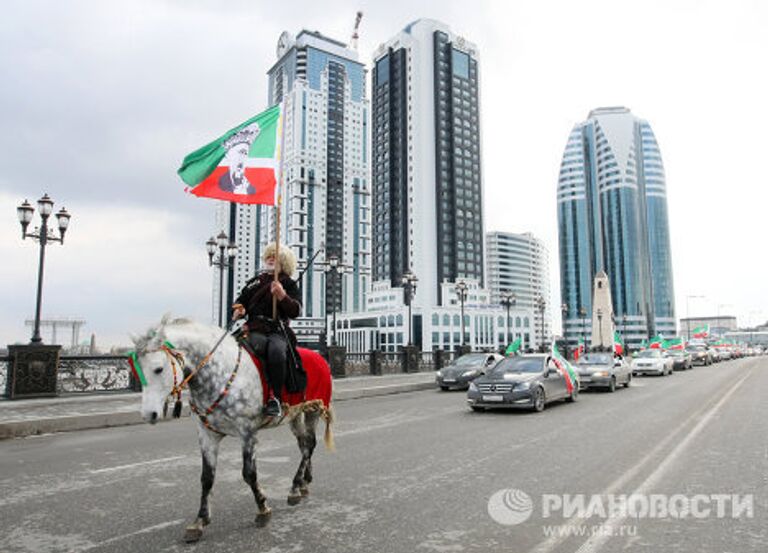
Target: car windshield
{"type": "Point", "coordinates": [595, 359]}
{"type": "Point", "coordinates": [519, 365]}
{"type": "Point", "coordinates": [678, 353]}
{"type": "Point", "coordinates": [653, 353]}
{"type": "Point", "coordinates": [473, 359]}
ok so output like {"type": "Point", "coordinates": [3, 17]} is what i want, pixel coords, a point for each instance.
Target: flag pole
{"type": "Point", "coordinates": [279, 203]}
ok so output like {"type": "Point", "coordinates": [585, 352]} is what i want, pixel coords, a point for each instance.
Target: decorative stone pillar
{"type": "Point", "coordinates": [32, 371]}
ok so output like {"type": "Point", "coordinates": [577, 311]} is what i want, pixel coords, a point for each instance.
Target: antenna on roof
{"type": "Point", "coordinates": [355, 35]}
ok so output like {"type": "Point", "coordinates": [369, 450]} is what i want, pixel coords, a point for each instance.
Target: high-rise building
{"type": "Point", "coordinates": [612, 215]}
{"type": "Point", "coordinates": [427, 179]}
{"type": "Point", "coordinates": [326, 190]}
{"type": "Point", "coordinates": [519, 264]}
{"type": "Point", "coordinates": [427, 188]}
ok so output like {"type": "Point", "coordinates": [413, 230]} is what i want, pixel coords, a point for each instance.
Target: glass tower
{"type": "Point", "coordinates": [612, 216]}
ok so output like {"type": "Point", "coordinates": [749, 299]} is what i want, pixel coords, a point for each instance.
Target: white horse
{"type": "Point", "coordinates": [226, 398]}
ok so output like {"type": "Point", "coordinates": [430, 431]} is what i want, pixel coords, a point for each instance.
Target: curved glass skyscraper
{"type": "Point", "coordinates": [612, 216]}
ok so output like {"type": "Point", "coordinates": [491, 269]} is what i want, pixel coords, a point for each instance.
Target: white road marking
{"type": "Point", "coordinates": [554, 541]}
{"type": "Point", "coordinates": [596, 542]}
{"type": "Point", "coordinates": [123, 467]}
{"type": "Point", "coordinates": [132, 534]}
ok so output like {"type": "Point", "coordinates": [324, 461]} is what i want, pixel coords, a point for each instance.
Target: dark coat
{"type": "Point", "coordinates": [256, 297]}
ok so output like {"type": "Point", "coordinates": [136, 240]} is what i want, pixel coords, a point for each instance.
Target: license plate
{"type": "Point", "coordinates": [449, 380]}
{"type": "Point", "coordinates": [493, 398]}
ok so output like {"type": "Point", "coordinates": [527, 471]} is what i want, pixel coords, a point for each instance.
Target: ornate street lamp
{"type": "Point", "coordinates": [583, 315]}
{"type": "Point", "coordinates": [224, 259]}
{"type": "Point", "coordinates": [43, 235]}
{"type": "Point", "coordinates": [508, 300]}
{"type": "Point", "coordinates": [461, 291]}
{"type": "Point", "coordinates": [409, 281]}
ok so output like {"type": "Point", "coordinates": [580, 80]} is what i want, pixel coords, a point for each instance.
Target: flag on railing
{"type": "Point", "coordinates": [514, 347]}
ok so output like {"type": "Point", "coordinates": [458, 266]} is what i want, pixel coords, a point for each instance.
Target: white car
{"type": "Point", "coordinates": [652, 361]}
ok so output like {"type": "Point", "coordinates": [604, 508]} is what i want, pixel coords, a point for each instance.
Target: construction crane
{"type": "Point", "coordinates": [355, 35]}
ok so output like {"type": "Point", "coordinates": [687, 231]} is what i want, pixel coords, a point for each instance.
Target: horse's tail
{"type": "Point", "coordinates": [330, 445]}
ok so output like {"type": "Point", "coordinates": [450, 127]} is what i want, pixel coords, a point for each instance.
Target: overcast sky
{"type": "Point", "coordinates": [100, 101]}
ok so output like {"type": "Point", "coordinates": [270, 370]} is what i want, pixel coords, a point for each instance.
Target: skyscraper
{"type": "Point", "coordinates": [326, 193]}
{"type": "Point", "coordinates": [519, 264]}
{"type": "Point", "coordinates": [612, 216]}
{"type": "Point", "coordinates": [427, 181]}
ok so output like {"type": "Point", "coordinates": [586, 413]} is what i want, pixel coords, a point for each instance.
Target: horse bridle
{"type": "Point", "coordinates": [174, 357]}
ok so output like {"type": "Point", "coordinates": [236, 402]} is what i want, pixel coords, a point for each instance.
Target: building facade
{"type": "Point", "coordinates": [326, 209]}
{"type": "Point", "coordinates": [612, 216]}
{"type": "Point", "coordinates": [519, 264]}
{"type": "Point", "coordinates": [426, 169]}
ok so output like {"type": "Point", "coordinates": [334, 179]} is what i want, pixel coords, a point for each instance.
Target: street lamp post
{"type": "Point", "coordinates": [461, 291]}
{"type": "Point", "coordinates": [541, 304]}
{"type": "Point", "coordinates": [224, 260]}
{"type": "Point", "coordinates": [409, 281]}
{"type": "Point", "coordinates": [508, 300]}
{"type": "Point", "coordinates": [43, 235]}
{"type": "Point", "coordinates": [564, 311]}
{"type": "Point", "coordinates": [600, 326]}
{"type": "Point", "coordinates": [583, 315]}
{"type": "Point", "coordinates": [333, 268]}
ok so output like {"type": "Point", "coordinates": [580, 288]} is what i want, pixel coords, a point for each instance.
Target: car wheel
{"type": "Point", "coordinates": [574, 396]}
{"type": "Point", "coordinates": [539, 401]}
{"type": "Point", "coordinates": [629, 379]}
{"type": "Point", "coordinates": [612, 385]}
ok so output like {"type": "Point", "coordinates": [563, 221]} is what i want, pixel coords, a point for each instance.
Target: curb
{"type": "Point", "coordinates": [71, 423]}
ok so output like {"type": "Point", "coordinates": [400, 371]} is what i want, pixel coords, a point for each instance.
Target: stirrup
{"type": "Point", "coordinates": [272, 408]}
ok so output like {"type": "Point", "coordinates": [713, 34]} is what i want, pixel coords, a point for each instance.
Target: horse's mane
{"type": "Point", "coordinates": [156, 334]}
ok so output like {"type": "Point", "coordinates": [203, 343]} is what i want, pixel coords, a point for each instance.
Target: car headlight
{"type": "Point", "coordinates": [472, 387]}
{"type": "Point", "coordinates": [523, 386]}
{"type": "Point", "coordinates": [473, 372]}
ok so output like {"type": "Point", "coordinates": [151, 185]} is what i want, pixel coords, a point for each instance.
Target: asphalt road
{"type": "Point", "coordinates": [415, 472]}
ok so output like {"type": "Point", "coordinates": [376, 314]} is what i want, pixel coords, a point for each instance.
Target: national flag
{"type": "Point", "coordinates": [701, 331]}
{"type": "Point", "coordinates": [566, 369]}
{"type": "Point", "coordinates": [242, 165]}
{"type": "Point", "coordinates": [657, 342]}
{"type": "Point", "coordinates": [514, 347]}
{"type": "Point", "coordinates": [674, 343]}
{"type": "Point", "coordinates": [579, 350]}
{"type": "Point", "coordinates": [643, 344]}
{"type": "Point", "coordinates": [618, 343]}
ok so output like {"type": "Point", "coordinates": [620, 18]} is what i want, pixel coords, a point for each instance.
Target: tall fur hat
{"type": "Point", "coordinates": [287, 257]}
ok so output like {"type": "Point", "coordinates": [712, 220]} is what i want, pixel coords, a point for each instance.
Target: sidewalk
{"type": "Point", "coordinates": [28, 417]}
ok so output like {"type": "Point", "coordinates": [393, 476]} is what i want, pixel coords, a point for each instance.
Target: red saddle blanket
{"type": "Point", "coordinates": [319, 382]}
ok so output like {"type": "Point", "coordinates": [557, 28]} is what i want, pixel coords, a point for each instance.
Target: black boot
{"type": "Point", "coordinates": [272, 409]}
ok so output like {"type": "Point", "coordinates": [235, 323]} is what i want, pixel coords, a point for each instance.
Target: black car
{"type": "Point", "coordinates": [681, 359]}
{"type": "Point", "coordinates": [525, 381]}
{"type": "Point", "coordinates": [465, 369]}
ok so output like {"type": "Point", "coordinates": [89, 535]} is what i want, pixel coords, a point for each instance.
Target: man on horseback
{"type": "Point", "coordinates": [272, 340]}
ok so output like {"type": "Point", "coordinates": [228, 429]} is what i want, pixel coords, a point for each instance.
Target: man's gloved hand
{"type": "Point", "coordinates": [238, 311]}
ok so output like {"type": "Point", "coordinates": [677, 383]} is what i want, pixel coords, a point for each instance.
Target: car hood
{"type": "Point", "coordinates": [508, 378]}
{"type": "Point", "coordinates": [457, 371]}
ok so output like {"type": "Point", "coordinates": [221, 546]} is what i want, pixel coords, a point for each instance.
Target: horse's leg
{"type": "Point", "coordinates": [209, 448]}
{"type": "Point", "coordinates": [310, 422]}
{"type": "Point", "coordinates": [249, 475]}
{"type": "Point", "coordinates": [306, 444]}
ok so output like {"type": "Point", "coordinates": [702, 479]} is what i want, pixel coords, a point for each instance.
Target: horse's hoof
{"type": "Point", "coordinates": [262, 518]}
{"type": "Point", "coordinates": [304, 491]}
{"type": "Point", "coordinates": [193, 534]}
{"type": "Point", "coordinates": [294, 499]}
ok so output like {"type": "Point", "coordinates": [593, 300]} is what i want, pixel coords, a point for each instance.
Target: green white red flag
{"type": "Point", "coordinates": [674, 343]}
{"type": "Point", "coordinates": [701, 331]}
{"type": "Point", "coordinates": [514, 347]}
{"type": "Point", "coordinates": [618, 343]}
{"type": "Point", "coordinates": [579, 349]}
{"type": "Point", "coordinates": [565, 368]}
{"type": "Point", "coordinates": [242, 165]}
{"type": "Point", "coordinates": [656, 342]}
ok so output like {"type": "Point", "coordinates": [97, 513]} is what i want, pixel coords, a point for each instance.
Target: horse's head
{"type": "Point", "coordinates": [155, 365]}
